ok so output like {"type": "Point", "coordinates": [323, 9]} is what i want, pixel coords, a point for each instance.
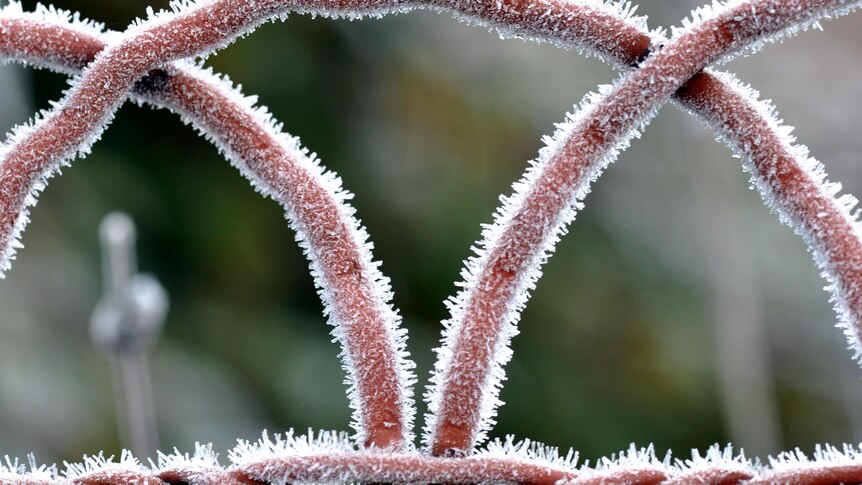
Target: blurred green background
{"type": "Point", "coordinates": [677, 311]}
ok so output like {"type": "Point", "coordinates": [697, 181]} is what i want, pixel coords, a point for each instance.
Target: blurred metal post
{"type": "Point", "coordinates": [126, 324]}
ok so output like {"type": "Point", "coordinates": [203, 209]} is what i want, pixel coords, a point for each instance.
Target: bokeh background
{"type": "Point", "coordinates": [677, 311]}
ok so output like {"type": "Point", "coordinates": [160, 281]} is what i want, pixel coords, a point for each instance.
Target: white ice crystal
{"type": "Point", "coordinates": [101, 464]}
{"type": "Point", "coordinates": [715, 463]}
{"type": "Point", "coordinates": [13, 472]}
{"type": "Point", "coordinates": [200, 467]}
{"type": "Point", "coordinates": [290, 444]}
{"type": "Point", "coordinates": [530, 451]}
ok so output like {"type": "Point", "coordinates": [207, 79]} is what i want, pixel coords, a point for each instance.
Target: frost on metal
{"type": "Point", "coordinates": [506, 266]}
{"type": "Point", "coordinates": [795, 185]}
{"type": "Point", "coordinates": [332, 458]}
{"type": "Point", "coordinates": [23, 179]}
{"type": "Point", "coordinates": [68, 60]}
{"type": "Point", "coordinates": [497, 280]}
{"type": "Point", "coordinates": [582, 24]}
{"type": "Point", "coordinates": [775, 21]}
{"type": "Point", "coordinates": [12, 471]}
{"type": "Point", "coordinates": [106, 466]}
{"type": "Point", "coordinates": [528, 450]}
{"type": "Point", "coordinates": [828, 465]}
{"type": "Point", "coordinates": [355, 293]}
{"type": "Point", "coordinates": [200, 467]}
{"type": "Point", "coordinates": [36, 150]}
{"type": "Point", "coordinates": [329, 457]}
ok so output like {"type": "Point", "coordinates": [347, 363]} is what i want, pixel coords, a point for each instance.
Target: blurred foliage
{"type": "Point", "coordinates": [427, 120]}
